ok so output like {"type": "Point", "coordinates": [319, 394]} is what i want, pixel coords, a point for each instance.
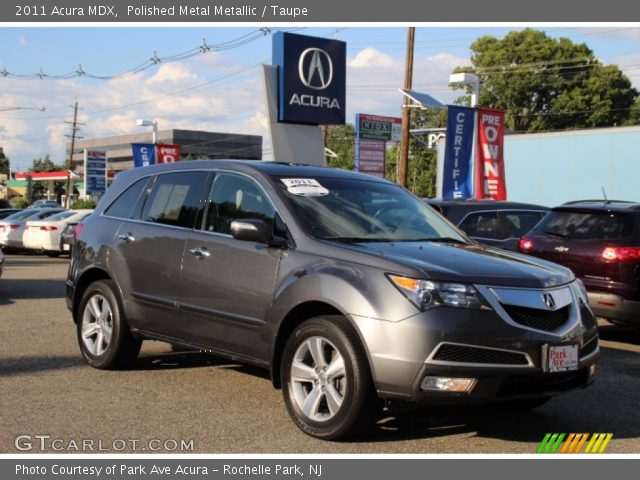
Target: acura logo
{"type": "Point", "coordinates": [317, 71]}
{"type": "Point", "coordinates": [548, 300]}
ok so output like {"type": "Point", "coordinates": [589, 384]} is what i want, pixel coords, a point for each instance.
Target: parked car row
{"type": "Point", "coordinates": [599, 240]}
{"type": "Point", "coordinates": [39, 229]}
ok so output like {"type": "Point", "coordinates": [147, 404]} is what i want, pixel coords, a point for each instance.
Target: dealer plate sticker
{"type": "Point", "coordinates": [305, 187]}
{"type": "Point", "coordinates": [563, 358]}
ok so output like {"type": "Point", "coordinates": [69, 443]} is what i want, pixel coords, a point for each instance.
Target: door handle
{"type": "Point", "coordinates": [200, 252]}
{"type": "Point", "coordinates": [126, 237]}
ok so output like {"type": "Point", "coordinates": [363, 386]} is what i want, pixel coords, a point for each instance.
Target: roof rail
{"type": "Point", "coordinates": [597, 200]}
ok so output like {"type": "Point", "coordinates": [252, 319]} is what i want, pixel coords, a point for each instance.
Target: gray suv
{"type": "Point", "coordinates": [350, 290]}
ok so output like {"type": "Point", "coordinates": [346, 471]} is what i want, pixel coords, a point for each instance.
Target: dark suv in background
{"type": "Point", "coordinates": [346, 287]}
{"type": "Point", "coordinates": [600, 242]}
{"type": "Point", "coordinates": [491, 222]}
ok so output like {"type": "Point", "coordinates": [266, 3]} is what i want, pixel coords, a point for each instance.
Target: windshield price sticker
{"type": "Point", "coordinates": [305, 187]}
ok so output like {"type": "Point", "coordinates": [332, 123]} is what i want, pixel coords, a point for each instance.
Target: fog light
{"type": "Point", "coordinates": [592, 369]}
{"type": "Point", "coordinates": [448, 384]}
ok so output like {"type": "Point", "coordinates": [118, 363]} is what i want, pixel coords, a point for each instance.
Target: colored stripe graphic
{"type": "Point", "coordinates": [598, 442]}
{"type": "Point", "coordinates": [550, 443]}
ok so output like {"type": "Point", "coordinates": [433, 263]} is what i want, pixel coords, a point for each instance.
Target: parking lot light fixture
{"type": "Point", "coordinates": [468, 79]}
{"type": "Point", "coordinates": [149, 123]}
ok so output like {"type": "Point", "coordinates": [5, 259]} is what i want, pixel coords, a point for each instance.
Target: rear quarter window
{"type": "Point", "coordinates": [124, 205]}
{"type": "Point", "coordinates": [587, 225]}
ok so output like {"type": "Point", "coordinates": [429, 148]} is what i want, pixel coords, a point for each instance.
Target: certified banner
{"type": "Point", "coordinates": [168, 153]}
{"type": "Point", "coordinates": [143, 154]}
{"type": "Point", "coordinates": [490, 175]}
{"type": "Point", "coordinates": [457, 179]}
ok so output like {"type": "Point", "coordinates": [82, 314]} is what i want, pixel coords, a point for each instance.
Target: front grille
{"type": "Point", "coordinates": [589, 348]}
{"type": "Point", "coordinates": [539, 319]}
{"type": "Point", "coordinates": [466, 354]}
{"type": "Point", "coordinates": [539, 384]}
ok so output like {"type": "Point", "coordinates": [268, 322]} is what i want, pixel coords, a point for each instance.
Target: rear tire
{"type": "Point", "coordinates": [326, 382]}
{"type": "Point", "coordinates": [103, 333]}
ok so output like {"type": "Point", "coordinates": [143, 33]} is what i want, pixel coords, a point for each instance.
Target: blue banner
{"type": "Point", "coordinates": [457, 178]}
{"type": "Point", "coordinates": [144, 154]}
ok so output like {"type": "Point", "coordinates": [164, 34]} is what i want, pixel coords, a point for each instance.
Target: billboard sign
{"type": "Point", "coordinates": [370, 157]}
{"type": "Point", "coordinates": [457, 176]}
{"type": "Point", "coordinates": [375, 127]}
{"type": "Point", "coordinates": [168, 153]}
{"type": "Point", "coordinates": [144, 154]}
{"type": "Point", "coordinates": [311, 79]}
{"type": "Point", "coordinates": [490, 173]}
{"type": "Point", "coordinates": [95, 172]}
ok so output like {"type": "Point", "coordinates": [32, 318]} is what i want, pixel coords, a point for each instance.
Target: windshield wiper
{"type": "Point", "coordinates": [438, 240]}
{"type": "Point", "coordinates": [555, 234]}
{"type": "Point", "coordinates": [358, 239]}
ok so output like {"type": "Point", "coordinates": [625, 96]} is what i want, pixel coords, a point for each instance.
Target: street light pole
{"type": "Point", "coordinates": [468, 79]}
{"type": "Point", "coordinates": [149, 123]}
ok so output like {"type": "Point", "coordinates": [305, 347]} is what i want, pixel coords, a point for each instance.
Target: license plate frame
{"type": "Point", "coordinates": [561, 358]}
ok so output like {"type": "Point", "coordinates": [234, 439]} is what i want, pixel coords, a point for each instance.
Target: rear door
{"type": "Point", "coordinates": [228, 284]}
{"type": "Point", "coordinates": [148, 246]}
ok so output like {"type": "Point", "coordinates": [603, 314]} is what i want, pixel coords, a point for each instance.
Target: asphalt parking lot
{"type": "Point", "coordinates": [46, 389]}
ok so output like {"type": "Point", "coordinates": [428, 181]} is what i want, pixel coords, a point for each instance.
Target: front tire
{"type": "Point", "coordinates": [103, 333]}
{"type": "Point", "coordinates": [327, 385]}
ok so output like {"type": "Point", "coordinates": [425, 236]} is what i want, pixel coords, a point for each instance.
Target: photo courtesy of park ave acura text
{"type": "Point", "coordinates": [308, 239]}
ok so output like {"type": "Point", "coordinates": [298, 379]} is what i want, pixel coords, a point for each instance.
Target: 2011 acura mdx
{"type": "Point", "coordinates": [347, 287]}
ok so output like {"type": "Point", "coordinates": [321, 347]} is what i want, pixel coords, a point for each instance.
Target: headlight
{"type": "Point", "coordinates": [426, 294]}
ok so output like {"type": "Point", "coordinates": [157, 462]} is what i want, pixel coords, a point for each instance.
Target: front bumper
{"type": "Point", "coordinates": [615, 308]}
{"type": "Point", "coordinates": [506, 360]}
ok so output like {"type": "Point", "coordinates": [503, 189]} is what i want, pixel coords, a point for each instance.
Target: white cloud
{"type": "Point", "coordinates": [172, 73]}
{"type": "Point", "coordinates": [371, 57]}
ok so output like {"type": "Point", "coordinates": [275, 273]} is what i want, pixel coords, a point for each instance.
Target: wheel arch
{"type": "Point", "coordinates": [296, 316]}
{"type": "Point", "coordinates": [87, 278]}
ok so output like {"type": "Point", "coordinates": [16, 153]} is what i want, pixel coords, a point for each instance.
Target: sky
{"type": "Point", "coordinates": [220, 89]}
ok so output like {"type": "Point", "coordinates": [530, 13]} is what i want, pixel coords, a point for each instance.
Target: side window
{"type": "Point", "coordinates": [520, 223]}
{"type": "Point", "coordinates": [175, 199]}
{"type": "Point", "coordinates": [124, 205]}
{"type": "Point", "coordinates": [235, 197]}
{"type": "Point", "coordinates": [483, 225]}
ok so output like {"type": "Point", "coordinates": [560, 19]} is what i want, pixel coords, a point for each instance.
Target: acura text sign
{"type": "Point", "coordinates": [311, 79]}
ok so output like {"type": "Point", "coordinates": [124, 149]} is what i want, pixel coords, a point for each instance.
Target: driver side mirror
{"type": "Point", "coordinates": [254, 230]}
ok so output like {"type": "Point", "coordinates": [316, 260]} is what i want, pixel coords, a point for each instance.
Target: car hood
{"type": "Point", "coordinates": [472, 264]}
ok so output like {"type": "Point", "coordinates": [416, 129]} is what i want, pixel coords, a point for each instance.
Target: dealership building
{"type": "Point", "coordinates": [193, 144]}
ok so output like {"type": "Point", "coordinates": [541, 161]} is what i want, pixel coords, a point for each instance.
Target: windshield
{"type": "Point", "coordinates": [360, 210]}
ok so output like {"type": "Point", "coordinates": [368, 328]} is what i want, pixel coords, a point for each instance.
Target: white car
{"type": "Point", "coordinates": [44, 235]}
{"type": "Point", "coordinates": [12, 227]}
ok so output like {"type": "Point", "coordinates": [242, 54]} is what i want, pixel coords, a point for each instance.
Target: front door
{"type": "Point", "coordinates": [228, 284]}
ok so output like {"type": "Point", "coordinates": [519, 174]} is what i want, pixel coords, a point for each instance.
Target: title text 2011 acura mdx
{"type": "Point", "coordinates": [348, 288]}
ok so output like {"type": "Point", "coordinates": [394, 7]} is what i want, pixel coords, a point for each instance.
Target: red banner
{"type": "Point", "coordinates": [168, 153]}
{"type": "Point", "coordinates": [490, 176]}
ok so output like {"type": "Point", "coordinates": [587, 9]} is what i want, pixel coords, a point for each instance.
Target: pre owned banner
{"type": "Point", "coordinates": [490, 175]}
{"type": "Point", "coordinates": [168, 153]}
{"type": "Point", "coordinates": [143, 154]}
{"type": "Point", "coordinates": [457, 180]}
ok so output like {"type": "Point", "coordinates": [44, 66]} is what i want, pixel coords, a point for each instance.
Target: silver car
{"type": "Point", "coordinates": [350, 290]}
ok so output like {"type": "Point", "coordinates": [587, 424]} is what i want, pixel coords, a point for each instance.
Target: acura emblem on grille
{"type": "Point", "coordinates": [561, 249]}
{"type": "Point", "coordinates": [548, 300]}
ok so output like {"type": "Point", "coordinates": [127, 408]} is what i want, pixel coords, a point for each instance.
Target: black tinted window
{"type": "Point", "coordinates": [175, 199]}
{"type": "Point", "coordinates": [485, 225]}
{"type": "Point", "coordinates": [234, 197]}
{"type": "Point", "coordinates": [126, 202]}
{"type": "Point", "coordinates": [587, 225]}
{"type": "Point", "coordinates": [520, 223]}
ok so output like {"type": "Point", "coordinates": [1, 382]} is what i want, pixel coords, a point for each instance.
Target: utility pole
{"type": "Point", "coordinates": [406, 112]}
{"type": "Point", "coordinates": [70, 165]}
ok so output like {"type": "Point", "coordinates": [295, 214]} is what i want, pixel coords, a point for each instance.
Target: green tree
{"type": "Point", "coordinates": [340, 139]}
{"type": "Point", "coordinates": [4, 163]}
{"type": "Point", "coordinates": [549, 84]}
{"type": "Point", "coordinates": [44, 164]}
